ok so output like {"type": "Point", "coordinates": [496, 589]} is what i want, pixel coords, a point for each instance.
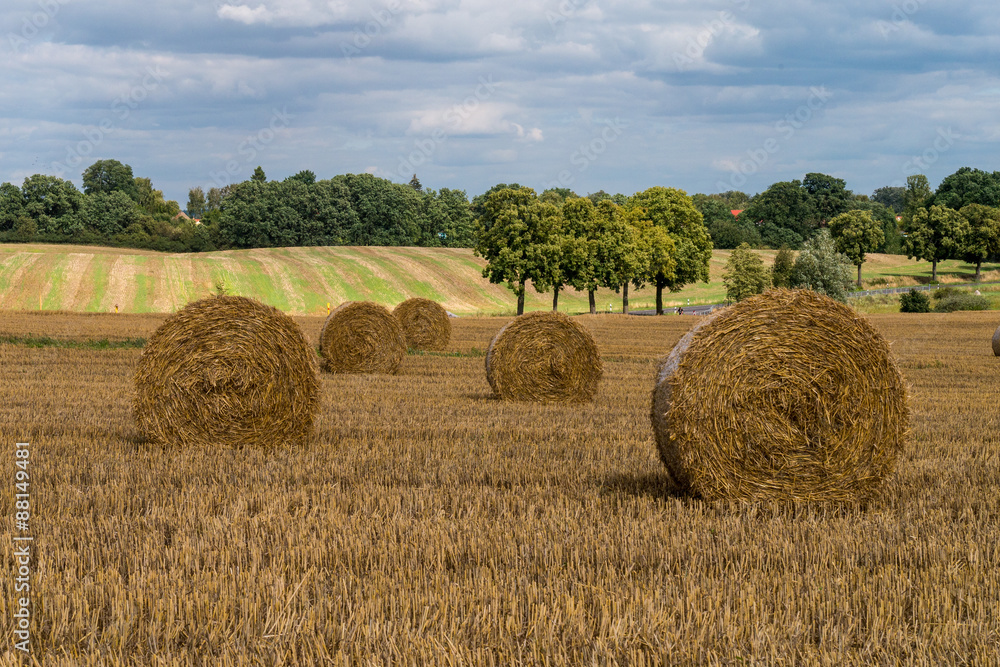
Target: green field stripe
{"type": "Point", "coordinates": [412, 288]}
{"type": "Point", "coordinates": [334, 272]}
{"type": "Point", "coordinates": [305, 280]}
{"type": "Point", "coordinates": [11, 264]}
{"type": "Point", "coordinates": [97, 277]}
{"type": "Point", "coordinates": [142, 302]}
{"type": "Point", "coordinates": [375, 288]}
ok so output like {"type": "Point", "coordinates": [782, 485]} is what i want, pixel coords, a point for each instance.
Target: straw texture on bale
{"type": "Point", "coordinates": [426, 325]}
{"type": "Point", "coordinates": [996, 342]}
{"type": "Point", "coordinates": [786, 395]}
{"type": "Point", "coordinates": [543, 356]}
{"type": "Point", "coordinates": [361, 337]}
{"type": "Point", "coordinates": [228, 371]}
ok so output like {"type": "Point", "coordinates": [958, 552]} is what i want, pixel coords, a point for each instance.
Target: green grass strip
{"type": "Point", "coordinates": [87, 344]}
{"type": "Point", "coordinates": [474, 352]}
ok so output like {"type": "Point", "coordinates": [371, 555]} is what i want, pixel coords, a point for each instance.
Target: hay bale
{"type": "Point", "coordinates": [996, 342]}
{"type": "Point", "coordinates": [226, 370]}
{"type": "Point", "coordinates": [361, 337]}
{"type": "Point", "coordinates": [543, 356]}
{"type": "Point", "coordinates": [425, 324]}
{"type": "Point", "coordinates": [787, 395]}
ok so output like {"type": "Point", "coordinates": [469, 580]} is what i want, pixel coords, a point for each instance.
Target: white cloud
{"type": "Point", "coordinates": [244, 14]}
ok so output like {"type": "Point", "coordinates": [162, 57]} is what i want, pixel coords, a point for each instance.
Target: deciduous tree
{"type": "Point", "coordinates": [515, 232]}
{"type": "Point", "coordinates": [983, 237]}
{"type": "Point", "coordinates": [674, 212]}
{"type": "Point", "coordinates": [821, 268]}
{"type": "Point", "coordinates": [110, 176]}
{"type": "Point", "coordinates": [745, 274]}
{"type": "Point", "coordinates": [782, 268]}
{"type": "Point", "coordinates": [934, 234]}
{"type": "Point", "coordinates": [856, 233]}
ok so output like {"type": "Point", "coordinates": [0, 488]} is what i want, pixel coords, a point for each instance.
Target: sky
{"type": "Point", "coordinates": [701, 95]}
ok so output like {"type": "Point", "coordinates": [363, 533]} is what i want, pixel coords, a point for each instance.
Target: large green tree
{"type": "Point", "coordinates": [11, 206]}
{"type": "Point", "coordinates": [51, 202]}
{"type": "Point", "coordinates": [968, 186]}
{"type": "Point", "coordinates": [783, 267]}
{"type": "Point", "coordinates": [745, 274]}
{"type": "Point", "coordinates": [830, 196]}
{"type": "Point", "coordinates": [514, 237]}
{"type": "Point", "coordinates": [658, 260]}
{"type": "Point", "coordinates": [109, 213]}
{"type": "Point", "coordinates": [916, 196]}
{"type": "Point", "coordinates": [856, 233]}
{"type": "Point", "coordinates": [618, 256]}
{"type": "Point", "coordinates": [196, 202]}
{"type": "Point", "coordinates": [385, 211]}
{"type": "Point", "coordinates": [785, 214]}
{"type": "Point", "coordinates": [152, 202]}
{"type": "Point", "coordinates": [110, 176]}
{"type": "Point", "coordinates": [673, 211]}
{"type": "Point", "coordinates": [983, 237]}
{"type": "Point", "coordinates": [479, 201]}
{"type": "Point", "coordinates": [934, 234]}
{"type": "Point", "coordinates": [579, 229]}
{"type": "Point", "coordinates": [890, 196]}
{"type": "Point", "coordinates": [821, 268]}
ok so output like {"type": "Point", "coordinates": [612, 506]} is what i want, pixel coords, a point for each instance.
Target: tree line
{"type": "Point", "coordinates": [960, 220]}
{"type": "Point", "coordinates": [655, 237]}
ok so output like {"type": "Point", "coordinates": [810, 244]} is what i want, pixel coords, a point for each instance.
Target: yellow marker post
{"type": "Point", "coordinates": [327, 307]}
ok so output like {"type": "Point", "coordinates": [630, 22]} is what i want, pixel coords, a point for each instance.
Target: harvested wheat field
{"type": "Point", "coordinates": [425, 522]}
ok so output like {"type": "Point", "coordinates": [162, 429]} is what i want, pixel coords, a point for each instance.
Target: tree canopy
{"type": "Point", "coordinates": [934, 234]}
{"type": "Point", "coordinates": [745, 274]}
{"type": "Point", "coordinates": [856, 233]}
{"type": "Point", "coordinates": [821, 268]}
{"type": "Point", "coordinates": [968, 186]}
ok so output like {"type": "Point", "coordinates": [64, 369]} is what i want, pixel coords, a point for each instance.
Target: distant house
{"type": "Point", "coordinates": [736, 212]}
{"type": "Point", "coordinates": [184, 216]}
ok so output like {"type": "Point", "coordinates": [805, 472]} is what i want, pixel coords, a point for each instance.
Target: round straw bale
{"type": "Point", "coordinates": [426, 325]}
{"type": "Point", "coordinates": [543, 356]}
{"type": "Point", "coordinates": [996, 342]}
{"type": "Point", "coordinates": [787, 395]}
{"type": "Point", "coordinates": [226, 370]}
{"type": "Point", "coordinates": [361, 337]}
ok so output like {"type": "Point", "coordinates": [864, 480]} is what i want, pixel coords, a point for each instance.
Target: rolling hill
{"type": "Point", "coordinates": [303, 281]}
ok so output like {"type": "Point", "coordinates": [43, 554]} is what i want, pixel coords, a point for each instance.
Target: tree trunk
{"type": "Point", "coordinates": [859, 276]}
{"type": "Point", "coordinates": [933, 270]}
{"type": "Point", "coordinates": [555, 299]}
{"type": "Point", "coordinates": [625, 299]}
{"type": "Point", "coordinates": [979, 265]}
{"type": "Point", "coordinates": [659, 299]}
{"type": "Point", "coordinates": [520, 300]}
{"type": "Point", "coordinates": [593, 302]}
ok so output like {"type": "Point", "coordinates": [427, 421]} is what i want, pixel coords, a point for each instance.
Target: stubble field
{"type": "Point", "coordinates": [426, 523]}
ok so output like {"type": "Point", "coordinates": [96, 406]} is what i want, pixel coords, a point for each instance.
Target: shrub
{"type": "Point", "coordinates": [961, 301]}
{"type": "Point", "coordinates": [943, 292]}
{"type": "Point", "coordinates": [914, 302]}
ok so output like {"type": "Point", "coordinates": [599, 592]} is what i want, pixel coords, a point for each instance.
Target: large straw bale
{"type": "Point", "coordinates": [228, 371]}
{"type": "Point", "coordinates": [544, 356]}
{"type": "Point", "coordinates": [361, 337]}
{"type": "Point", "coordinates": [787, 395]}
{"type": "Point", "coordinates": [426, 325]}
{"type": "Point", "coordinates": [996, 342]}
